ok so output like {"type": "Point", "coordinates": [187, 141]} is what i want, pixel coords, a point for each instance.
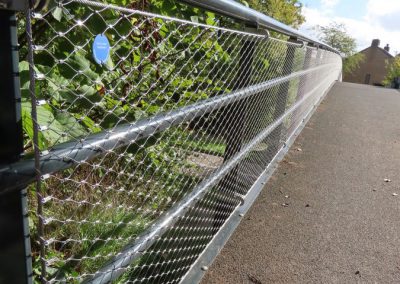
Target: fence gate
{"type": "Point", "coordinates": [137, 133]}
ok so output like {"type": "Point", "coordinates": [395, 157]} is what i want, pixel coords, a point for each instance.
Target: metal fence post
{"type": "Point", "coordinates": [280, 103]}
{"type": "Point", "coordinates": [228, 187]}
{"type": "Point", "coordinates": [237, 112]}
{"type": "Point", "coordinates": [14, 230]}
{"type": "Point", "coordinates": [303, 84]}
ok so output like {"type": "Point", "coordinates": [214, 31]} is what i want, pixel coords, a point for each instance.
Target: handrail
{"type": "Point", "coordinates": [240, 12]}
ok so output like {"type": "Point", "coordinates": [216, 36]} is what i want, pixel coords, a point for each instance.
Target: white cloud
{"type": "Point", "coordinates": [377, 23]}
{"type": "Point", "coordinates": [378, 8]}
{"type": "Point", "coordinates": [328, 6]}
{"type": "Point", "coordinates": [329, 3]}
{"type": "Point", "coordinates": [387, 15]}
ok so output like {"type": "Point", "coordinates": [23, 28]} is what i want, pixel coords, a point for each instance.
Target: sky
{"type": "Point", "coordinates": [364, 19]}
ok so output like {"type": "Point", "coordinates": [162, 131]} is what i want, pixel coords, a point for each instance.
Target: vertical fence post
{"type": "Point", "coordinates": [234, 135]}
{"type": "Point", "coordinates": [14, 233]}
{"type": "Point", "coordinates": [280, 103]}
{"type": "Point", "coordinates": [304, 79]}
{"type": "Point", "coordinates": [237, 115]}
{"type": "Point", "coordinates": [237, 110]}
{"type": "Point", "coordinates": [302, 86]}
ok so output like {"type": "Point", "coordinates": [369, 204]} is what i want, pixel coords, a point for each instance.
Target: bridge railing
{"type": "Point", "coordinates": [145, 137]}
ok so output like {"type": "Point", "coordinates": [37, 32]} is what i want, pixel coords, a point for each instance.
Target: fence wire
{"type": "Point", "coordinates": [145, 154]}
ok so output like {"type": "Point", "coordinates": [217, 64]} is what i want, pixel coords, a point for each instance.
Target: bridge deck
{"type": "Point", "coordinates": [341, 220]}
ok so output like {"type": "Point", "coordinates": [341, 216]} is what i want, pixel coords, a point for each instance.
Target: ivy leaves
{"type": "Point", "coordinates": [54, 126]}
{"type": "Point", "coordinates": [154, 65]}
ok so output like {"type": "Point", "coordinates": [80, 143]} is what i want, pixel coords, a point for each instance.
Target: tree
{"type": "Point", "coordinates": [335, 35]}
{"type": "Point", "coordinates": [285, 11]}
{"type": "Point", "coordinates": [393, 75]}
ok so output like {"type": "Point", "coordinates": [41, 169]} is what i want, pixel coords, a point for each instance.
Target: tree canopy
{"type": "Point", "coordinates": [285, 11]}
{"type": "Point", "coordinates": [336, 35]}
{"type": "Point", "coordinates": [393, 72]}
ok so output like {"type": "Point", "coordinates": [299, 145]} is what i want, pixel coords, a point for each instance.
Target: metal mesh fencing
{"type": "Point", "coordinates": [143, 155]}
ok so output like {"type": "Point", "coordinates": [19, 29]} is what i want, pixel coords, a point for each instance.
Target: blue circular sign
{"type": "Point", "coordinates": [101, 49]}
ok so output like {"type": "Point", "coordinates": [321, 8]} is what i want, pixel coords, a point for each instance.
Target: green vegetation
{"type": "Point", "coordinates": [393, 72]}
{"type": "Point", "coordinates": [336, 36]}
{"type": "Point", "coordinates": [285, 11]}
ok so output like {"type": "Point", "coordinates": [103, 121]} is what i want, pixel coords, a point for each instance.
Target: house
{"type": "Point", "coordinates": [373, 69]}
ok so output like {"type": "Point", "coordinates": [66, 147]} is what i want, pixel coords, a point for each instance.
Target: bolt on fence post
{"type": "Point", "coordinates": [15, 261]}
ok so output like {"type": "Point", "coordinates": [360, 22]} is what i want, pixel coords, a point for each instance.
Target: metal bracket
{"type": "Point", "coordinates": [14, 5]}
{"type": "Point", "coordinates": [240, 197]}
{"type": "Point", "coordinates": [264, 32]}
{"type": "Point", "coordinates": [257, 30]}
{"type": "Point", "coordinates": [250, 29]}
{"type": "Point", "coordinates": [302, 43]}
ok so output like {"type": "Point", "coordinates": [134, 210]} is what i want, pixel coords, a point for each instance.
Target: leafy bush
{"type": "Point", "coordinates": [393, 72]}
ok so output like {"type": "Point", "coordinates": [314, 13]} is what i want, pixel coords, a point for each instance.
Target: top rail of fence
{"type": "Point", "coordinates": [237, 11]}
{"type": "Point", "coordinates": [232, 9]}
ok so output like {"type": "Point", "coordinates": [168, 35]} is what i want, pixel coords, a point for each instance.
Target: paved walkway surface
{"type": "Point", "coordinates": [342, 222]}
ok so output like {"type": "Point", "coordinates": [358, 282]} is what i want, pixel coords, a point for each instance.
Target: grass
{"type": "Point", "coordinates": [98, 207]}
{"type": "Point", "coordinates": [93, 212]}
{"type": "Point", "coordinates": [216, 148]}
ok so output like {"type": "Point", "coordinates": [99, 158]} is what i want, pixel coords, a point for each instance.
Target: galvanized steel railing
{"type": "Point", "coordinates": [145, 135]}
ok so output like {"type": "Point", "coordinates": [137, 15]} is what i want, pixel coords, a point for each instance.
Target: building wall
{"type": "Point", "coordinates": [373, 69]}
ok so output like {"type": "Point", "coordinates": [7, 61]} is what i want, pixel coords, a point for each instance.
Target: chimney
{"type": "Point", "coordinates": [387, 48]}
{"type": "Point", "coordinates": [375, 43]}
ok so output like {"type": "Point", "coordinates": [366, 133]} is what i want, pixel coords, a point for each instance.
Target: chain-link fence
{"type": "Point", "coordinates": [147, 132]}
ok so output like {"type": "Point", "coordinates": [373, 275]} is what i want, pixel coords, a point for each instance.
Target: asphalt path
{"type": "Point", "coordinates": [330, 213]}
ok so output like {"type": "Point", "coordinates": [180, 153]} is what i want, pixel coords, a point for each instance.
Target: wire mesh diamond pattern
{"type": "Point", "coordinates": [145, 155]}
